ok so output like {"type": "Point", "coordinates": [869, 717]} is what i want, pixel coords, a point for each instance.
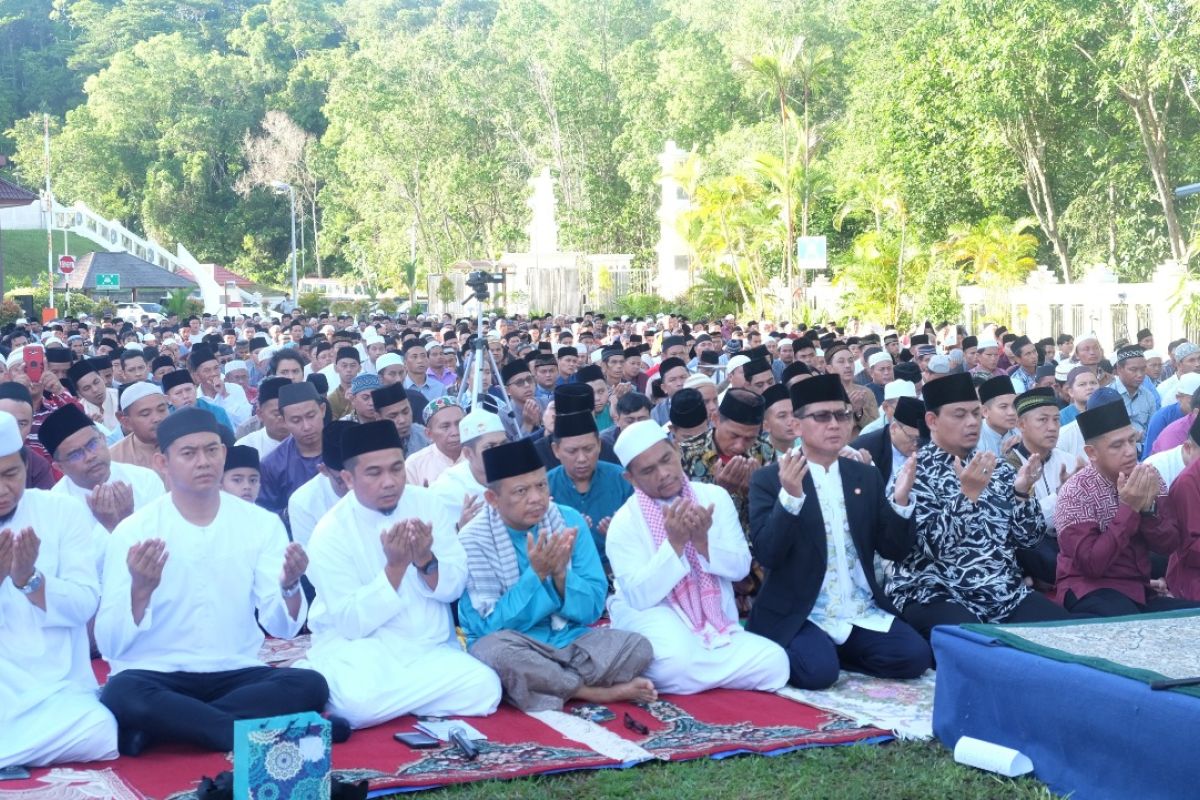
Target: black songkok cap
{"type": "Point", "coordinates": [775, 393]}
{"type": "Point", "coordinates": [793, 369]}
{"type": "Point", "coordinates": [160, 362]}
{"type": "Point", "coordinates": [576, 424]}
{"type": "Point", "coordinates": [1035, 398]}
{"type": "Point", "coordinates": [241, 456]}
{"type": "Point", "coordinates": [510, 460]}
{"type": "Point", "coordinates": [743, 406]}
{"type": "Point", "coordinates": [11, 390]}
{"type": "Point", "coordinates": [563, 352]}
{"type": "Point", "coordinates": [757, 352]}
{"type": "Point", "coordinates": [257, 343]}
{"type": "Point", "coordinates": [687, 408]}
{"type": "Point", "coordinates": [911, 412]}
{"type": "Point", "coordinates": [58, 355]}
{"type": "Point", "coordinates": [1102, 419]}
{"type": "Point", "coordinates": [184, 422]}
{"type": "Point", "coordinates": [755, 366]}
{"type": "Point", "coordinates": [669, 364]}
{"type": "Point", "coordinates": [177, 378]}
{"type": "Point", "coordinates": [82, 368]}
{"type": "Point", "coordinates": [920, 338]}
{"type": "Point", "coordinates": [907, 371]}
{"type": "Point", "coordinates": [369, 437]}
{"type": "Point", "coordinates": [348, 352]}
{"type": "Point", "coordinates": [200, 354]}
{"type": "Point", "coordinates": [319, 382]}
{"type": "Point", "coordinates": [61, 423]}
{"type": "Point", "coordinates": [388, 396]}
{"type": "Point", "coordinates": [513, 369]}
{"type": "Point", "coordinates": [295, 393]}
{"type": "Point", "coordinates": [673, 341]}
{"type": "Point", "coordinates": [995, 387]}
{"type": "Point", "coordinates": [969, 342]}
{"type": "Point", "coordinates": [817, 389]}
{"type": "Point", "coordinates": [331, 443]}
{"type": "Point", "coordinates": [573, 398]}
{"type": "Point", "coordinates": [633, 352]}
{"type": "Point", "coordinates": [269, 389]}
{"type": "Point", "coordinates": [711, 358]}
{"type": "Point", "coordinates": [954, 388]}
{"type": "Point", "coordinates": [589, 373]}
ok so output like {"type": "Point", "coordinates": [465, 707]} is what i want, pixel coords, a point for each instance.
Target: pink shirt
{"type": "Point", "coordinates": [1174, 434]}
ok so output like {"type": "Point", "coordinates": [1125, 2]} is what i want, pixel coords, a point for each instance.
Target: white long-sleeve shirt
{"type": "Point", "coordinates": [45, 652]}
{"type": "Point", "coordinates": [308, 504]}
{"type": "Point", "coordinates": [201, 616]}
{"type": "Point", "coordinates": [454, 484]}
{"type": "Point", "coordinates": [645, 574]}
{"type": "Point", "coordinates": [261, 442]}
{"type": "Point", "coordinates": [355, 600]}
{"type": "Point", "coordinates": [234, 402]}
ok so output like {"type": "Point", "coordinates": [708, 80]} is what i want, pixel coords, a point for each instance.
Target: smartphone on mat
{"type": "Point", "coordinates": [14, 774]}
{"type": "Point", "coordinates": [416, 740]}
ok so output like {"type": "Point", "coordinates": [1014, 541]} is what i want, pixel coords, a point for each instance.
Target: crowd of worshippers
{"type": "Point", "coordinates": [619, 508]}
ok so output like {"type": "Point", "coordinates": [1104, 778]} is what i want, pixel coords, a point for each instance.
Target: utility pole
{"type": "Point", "coordinates": [49, 210]}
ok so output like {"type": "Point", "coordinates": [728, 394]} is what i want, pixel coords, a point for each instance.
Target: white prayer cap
{"type": "Point", "coordinates": [986, 343]}
{"type": "Point", "coordinates": [735, 362]}
{"type": "Point", "coordinates": [899, 388]}
{"type": "Point", "coordinates": [137, 391]}
{"type": "Point", "coordinates": [478, 423]}
{"type": "Point", "coordinates": [1062, 371]}
{"type": "Point", "coordinates": [1089, 336]}
{"type": "Point", "coordinates": [1154, 353]}
{"type": "Point", "coordinates": [879, 358]}
{"type": "Point", "coordinates": [431, 345]}
{"type": "Point", "coordinates": [637, 439]}
{"type": "Point", "coordinates": [53, 341]}
{"type": "Point", "coordinates": [371, 336]}
{"type": "Point", "coordinates": [235, 365]}
{"type": "Point", "coordinates": [939, 365]}
{"type": "Point", "coordinates": [388, 360]}
{"type": "Point", "coordinates": [699, 379]}
{"type": "Point", "coordinates": [149, 337]}
{"type": "Point", "coordinates": [493, 335]}
{"type": "Point", "coordinates": [10, 435]}
{"type": "Point", "coordinates": [327, 329]}
{"type": "Point", "coordinates": [1188, 384]}
{"type": "Point", "coordinates": [596, 355]}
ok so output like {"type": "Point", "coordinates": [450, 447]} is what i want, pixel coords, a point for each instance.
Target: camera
{"type": "Point", "coordinates": [479, 280]}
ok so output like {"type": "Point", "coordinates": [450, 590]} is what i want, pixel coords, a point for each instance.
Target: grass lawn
{"type": "Point", "coordinates": [25, 254]}
{"type": "Point", "coordinates": [896, 771]}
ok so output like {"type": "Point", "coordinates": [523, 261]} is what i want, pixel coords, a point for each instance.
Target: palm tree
{"type": "Point", "coordinates": [997, 251]}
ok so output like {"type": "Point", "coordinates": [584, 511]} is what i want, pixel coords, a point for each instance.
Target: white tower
{"type": "Point", "coordinates": [674, 255]}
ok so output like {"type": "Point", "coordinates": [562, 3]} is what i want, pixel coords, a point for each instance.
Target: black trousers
{"type": "Point", "coordinates": [1034, 608]}
{"type": "Point", "coordinates": [816, 659]}
{"type": "Point", "coordinates": [200, 707]}
{"type": "Point", "coordinates": [1040, 561]}
{"type": "Point", "coordinates": [1111, 603]}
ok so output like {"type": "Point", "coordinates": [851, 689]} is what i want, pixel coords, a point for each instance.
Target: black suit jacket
{"type": "Point", "coordinates": [792, 549]}
{"type": "Point", "coordinates": [879, 444]}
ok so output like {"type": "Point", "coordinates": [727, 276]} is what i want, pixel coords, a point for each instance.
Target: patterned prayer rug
{"type": "Point", "coordinates": [63, 783]}
{"type": "Point", "coordinates": [1146, 648]}
{"type": "Point", "coordinates": [724, 722]}
{"type": "Point", "coordinates": [903, 707]}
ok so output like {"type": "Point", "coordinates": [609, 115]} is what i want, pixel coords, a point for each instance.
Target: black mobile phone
{"type": "Point", "coordinates": [416, 740]}
{"type": "Point", "coordinates": [14, 774]}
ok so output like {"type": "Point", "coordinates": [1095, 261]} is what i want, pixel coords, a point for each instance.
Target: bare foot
{"type": "Point", "coordinates": [634, 691]}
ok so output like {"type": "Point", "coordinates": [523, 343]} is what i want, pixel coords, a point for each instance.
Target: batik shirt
{"type": "Point", "coordinates": [966, 552]}
{"type": "Point", "coordinates": [700, 457]}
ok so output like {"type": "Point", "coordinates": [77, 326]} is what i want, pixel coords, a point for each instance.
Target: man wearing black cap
{"type": "Point", "coordinates": [545, 376]}
{"type": "Point", "coordinates": [395, 404]}
{"type": "Point", "coordinates": [99, 401]}
{"type": "Point", "coordinates": [519, 383]}
{"type": "Point", "coordinates": [1110, 515]}
{"type": "Point", "coordinates": [294, 462]}
{"type": "Point", "coordinates": [830, 612]}
{"type": "Point", "coordinates": [266, 430]}
{"type": "Point", "coordinates": [347, 364]}
{"type": "Point", "coordinates": [891, 445]}
{"type": "Point", "coordinates": [570, 398]}
{"type": "Point", "coordinates": [972, 512]}
{"type": "Point", "coordinates": [998, 433]}
{"type": "Point", "coordinates": [187, 582]}
{"type": "Point", "coordinates": [535, 586]}
{"type": "Point", "coordinates": [689, 415]}
{"type": "Point", "coordinates": [15, 400]}
{"type": "Point", "coordinates": [206, 368]}
{"type": "Point", "coordinates": [181, 393]}
{"type": "Point", "coordinates": [1141, 401]}
{"type": "Point", "coordinates": [593, 376]}
{"type": "Point", "coordinates": [672, 373]}
{"type": "Point", "coordinates": [386, 565]}
{"type": "Point", "coordinates": [320, 493]}
{"type": "Point", "coordinates": [778, 423]}
{"type": "Point", "coordinates": [111, 490]}
{"type": "Point", "coordinates": [58, 361]}
{"type": "Point", "coordinates": [1037, 419]}
{"type": "Point", "coordinates": [581, 480]}
{"type": "Point", "coordinates": [241, 477]}
{"type": "Point", "coordinates": [568, 363]}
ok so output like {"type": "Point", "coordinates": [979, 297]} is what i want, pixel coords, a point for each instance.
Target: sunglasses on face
{"type": "Point", "coordinates": [825, 417]}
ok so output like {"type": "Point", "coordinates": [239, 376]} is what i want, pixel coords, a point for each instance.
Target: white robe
{"type": "Point", "coordinates": [389, 652]}
{"type": "Point", "coordinates": [1169, 464]}
{"type": "Point", "coordinates": [308, 504]}
{"type": "Point", "coordinates": [261, 442]}
{"type": "Point", "coordinates": [456, 483]}
{"type": "Point", "coordinates": [49, 711]}
{"type": "Point", "coordinates": [201, 616]}
{"type": "Point", "coordinates": [1070, 439]}
{"type": "Point", "coordinates": [234, 402]}
{"type": "Point", "coordinates": [644, 577]}
{"type": "Point", "coordinates": [146, 484]}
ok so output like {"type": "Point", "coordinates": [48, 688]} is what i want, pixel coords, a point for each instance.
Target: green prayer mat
{"type": "Point", "coordinates": [1145, 647]}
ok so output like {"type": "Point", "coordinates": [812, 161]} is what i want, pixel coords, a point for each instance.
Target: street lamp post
{"type": "Point", "coordinates": [281, 187]}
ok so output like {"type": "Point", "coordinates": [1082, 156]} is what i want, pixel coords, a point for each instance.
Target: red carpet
{"type": "Point", "coordinates": [722, 723]}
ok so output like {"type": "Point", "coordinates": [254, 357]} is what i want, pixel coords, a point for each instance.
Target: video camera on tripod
{"type": "Point", "coordinates": [472, 388]}
{"type": "Point", "coordinates": [479, 281]}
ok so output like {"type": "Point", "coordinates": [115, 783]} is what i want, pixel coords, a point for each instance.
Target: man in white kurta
{"type": "Point", "coordinates": [183, 581]}
{"type": "Point", "coordinates": [322, 491]}
{"type": "Point", "coordinates": [460, 488]}
{"type": "Point", "coordinates": [386, 564]}
{"type": "Point", "coordinates": [49, 712]}
{"type": "Point", "coordinates": [272, 429]}
{"type": "Point", "coordinates": [697, 645]}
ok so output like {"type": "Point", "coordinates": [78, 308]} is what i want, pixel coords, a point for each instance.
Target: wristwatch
{"type": "Point", "coordinates": [32, 585]}
{"type": "Point", "coordinates": [291, 591]}
{"type": "Point", "coordinates": [429, 567]}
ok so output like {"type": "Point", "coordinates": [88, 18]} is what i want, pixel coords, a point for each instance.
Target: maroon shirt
{"type": "Point", "coordinates": [1183, 570]}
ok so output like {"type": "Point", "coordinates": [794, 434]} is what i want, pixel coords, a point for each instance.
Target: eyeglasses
{"type": "Point", "coordinates": [525, 380]}
{"type": "Point", "coordinates": [825, 417]}
{"type": "Point", "coordinates": [77, 455]}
